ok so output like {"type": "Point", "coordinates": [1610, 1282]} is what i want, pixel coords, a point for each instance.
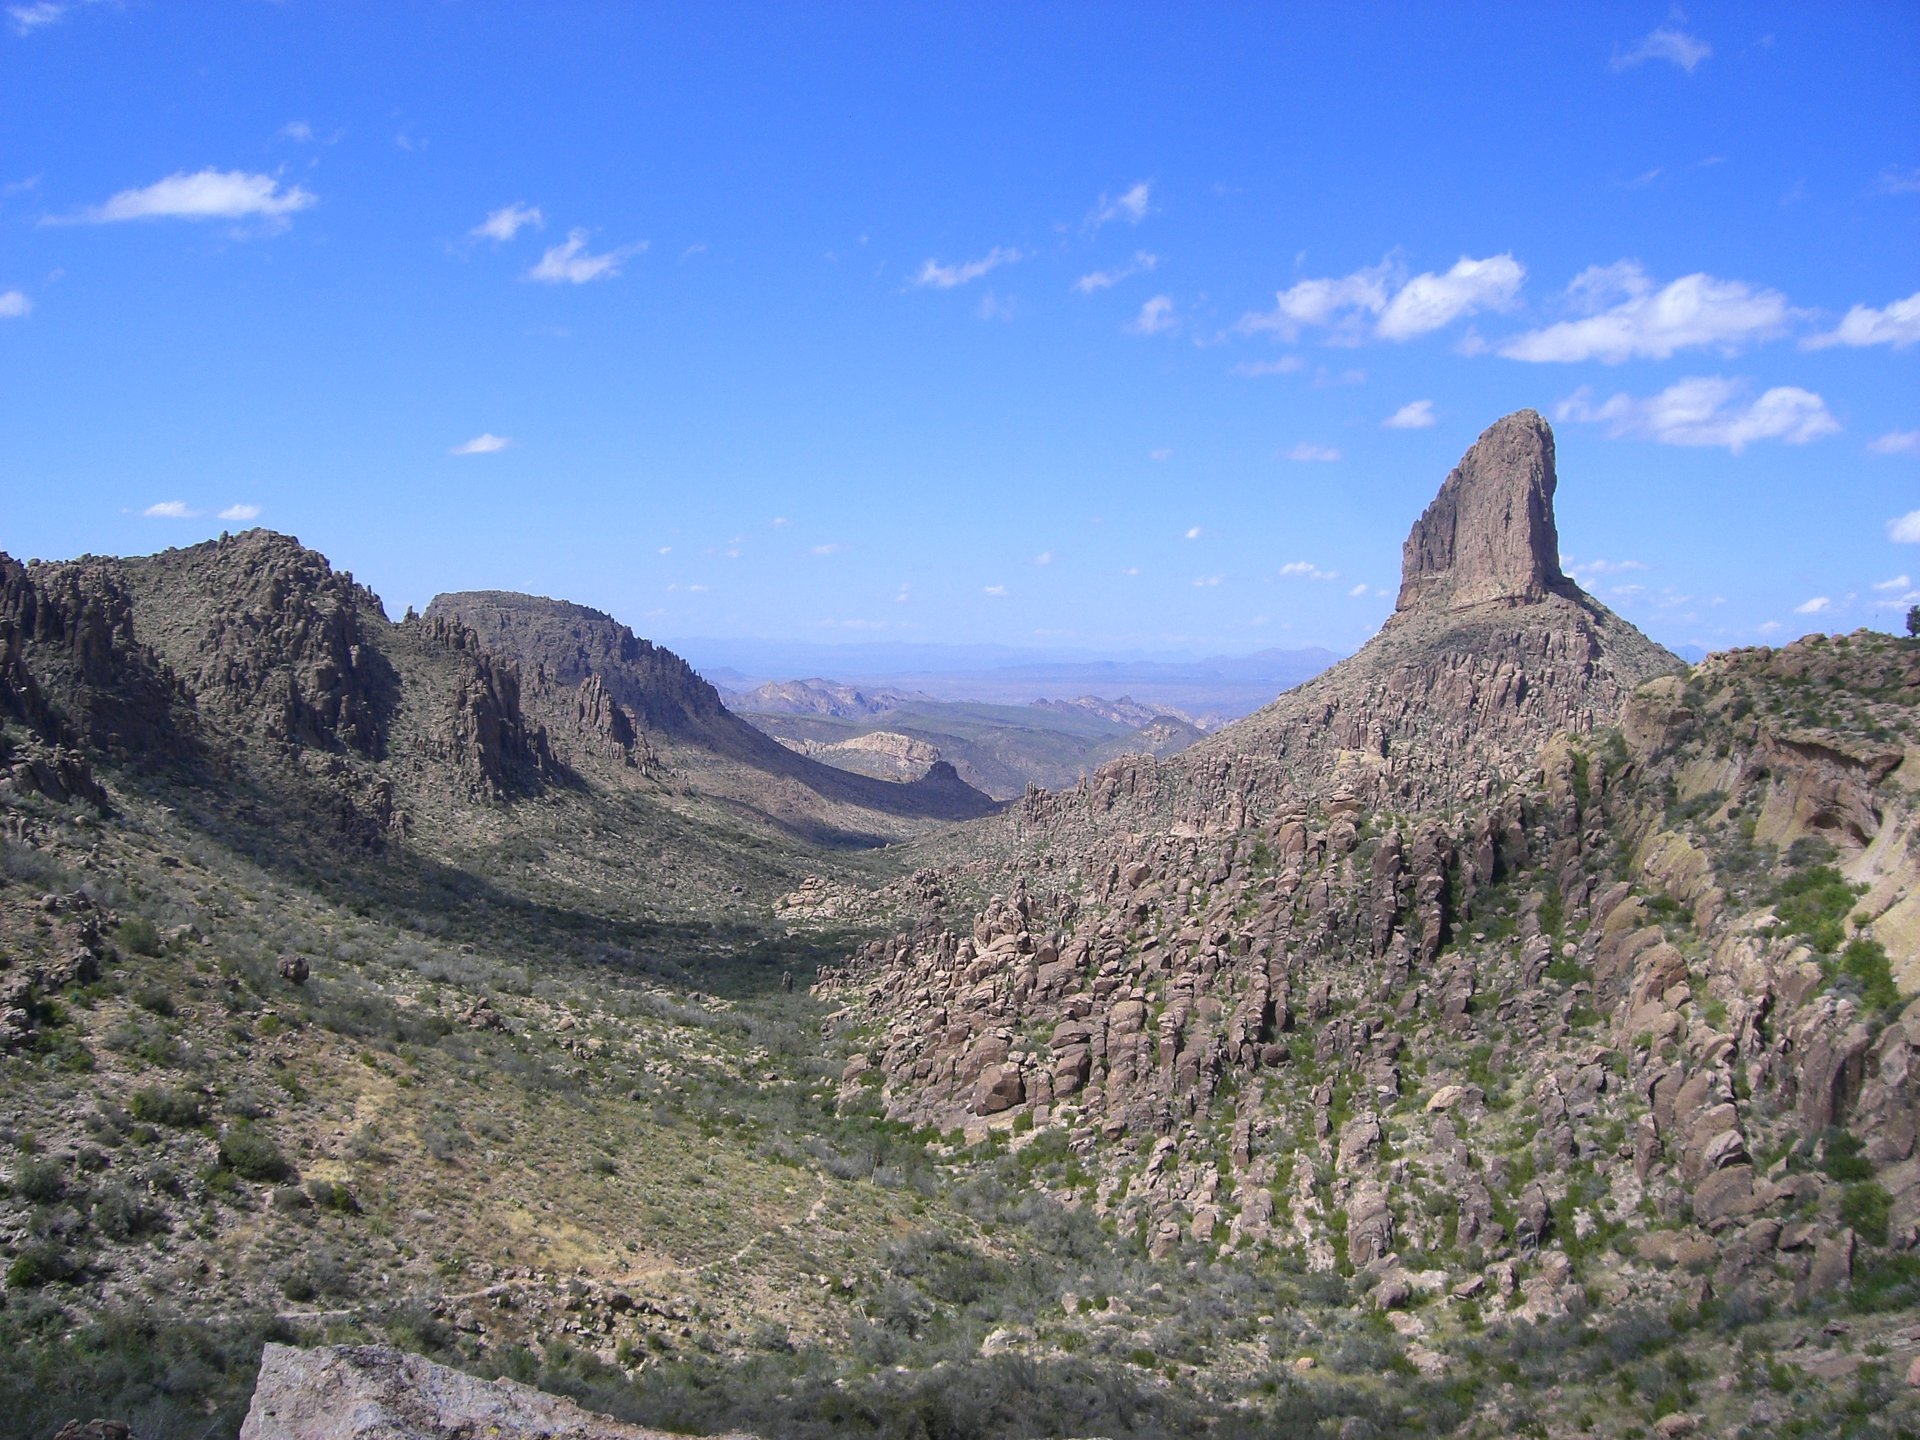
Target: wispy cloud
{"type": "Point", "coordinates": [1307, 570]}
{"type": "Point", "coordinates": [995, 590]}
{"type": "Point", "coordinates": [936, 276]}
{"type": "Point", "coordinates": [1898, 582]}
{"type": "Point", "coordinates": [1140, 264]}
{"type": "Point", "coordinates": [1813, 606]}
{"type": "Point", "coordinates": [1894, 442]}
{"type": "Point", "coordinates": [1308, 453]}
{"type": "Point", "coordinates": [1205, 582]}
{"type": "Point", "coordinates": [832, 547]}
{"type": "Point", "coordinates": [1160, 452]}
{"type": "Point", "coordinates": [508, 221]}
{"type": "Point", "coordinates": [1707, 410]}
{"type": "Point", "coordinates": [1672, 45]}
{"type": "Point", "coordinates": [1414, 415]}
{"type": "Point", "coordinates": [1898, 325]}
{"type": "Point", "coordinates": [204, 195]}
{"type": "Point", "coordinates": [298, 131]}
{"type": "Point", "coordinates": [1195, 533]}
{"type": "Point", "coordinates": [1896, 181]}
{"type": "Point", "coordinates": [1156, 317]}
{"type": "Point", "coordinates": [1635, 320]}
{"type": "Point", "coordinates": [571, 263]}
{"type": "Point", "coordinates": [29, 18]}
{"type": "Point", "coordinates": [240, 512]}
{"type": "Point", "coordinates": [1586, 570]}
{"type": "Point", "coordinates": [1045, 557]}
{"type": "Point", "coordinates": [1357, 591]}
{"type": "Point", "coordinates": [1285, 365]}
{"type": "Point", "coordinates": [485, 444]}
{"type": "Point", "coordinates": [169, 510]}
{"type": "Point", "coordinates": [1130, 205]}
{"type": "Point", "coordinates": [1427, 302]}
{"type": "Point", "coordinates": [14, 304]}
{"type": "Point", "coordinates": [1905, 529]}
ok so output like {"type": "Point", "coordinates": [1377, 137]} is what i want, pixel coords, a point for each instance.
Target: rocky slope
{"type": "Point", "coordinates": [1484, 966]}
{"type": "Point", "coordinates": [585, 663]}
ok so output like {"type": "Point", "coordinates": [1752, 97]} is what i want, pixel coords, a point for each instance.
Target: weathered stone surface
{"type": "Point", "coordinates": [373, 1392]}
{"type": "Point", "coordinates": [1489, 535]}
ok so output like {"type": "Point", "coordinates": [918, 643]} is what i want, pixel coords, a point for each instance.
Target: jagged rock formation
{"type": "Point", "coordinates": [1466, 951]}
{"type": "Point", "coordinates": [373, 1392]}
{"type": "Point", "coordinates": [1489, 535]}
{"type": "Point", "coordinates": [680, 716]}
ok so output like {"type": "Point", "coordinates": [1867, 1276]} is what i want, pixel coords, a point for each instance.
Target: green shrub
{"type": "Point", "coordinates": [1865, 1207]}
{"type": "Point", "coordinates": [1814, 905]}
{"type": "Point", "coordinates": [165, 1105]}
{"type": "Point", "coordinates": [38, 1181]}
{"type": "Point", "coordinates": [1841, 1157]}
{"type": "Point", "coordinates": [1866, 961]}
{"type": "Point", "coordinates": [39, 1264]}
{"type": "Point", "coordinates": [137, 936]}
{"type": "Point", "coordinates": [250, 1153]}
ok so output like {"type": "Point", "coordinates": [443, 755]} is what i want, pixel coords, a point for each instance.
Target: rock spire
{"type": "Point", "coordinates": [1489, 534]}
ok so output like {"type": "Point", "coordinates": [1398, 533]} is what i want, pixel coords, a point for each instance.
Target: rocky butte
{"type": "Point", "coordinates": [1458, 956]}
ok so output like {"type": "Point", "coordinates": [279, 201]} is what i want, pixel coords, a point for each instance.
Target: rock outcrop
{"type": "Point", "coordinates": [374, 1392]}
{"type": "Point", "coordinates": [1495, 876]}
{"type": "Point", "coordinates": [1489, 535]}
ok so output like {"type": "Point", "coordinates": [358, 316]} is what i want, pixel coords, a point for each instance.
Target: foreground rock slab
{"type": "Point", "coordinates": [374, 1392]}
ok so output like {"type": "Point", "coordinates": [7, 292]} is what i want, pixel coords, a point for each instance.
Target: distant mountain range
{"type": "Point", "coordinates": [1223, 685]}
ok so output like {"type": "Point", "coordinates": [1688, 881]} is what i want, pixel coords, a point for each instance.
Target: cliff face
{"type": "Point", "coordinates": [1470, 950]}
{"type": "Point", "coordinates": [1489, 535]}
{"type": "Point", "coordinates": [593, 680]}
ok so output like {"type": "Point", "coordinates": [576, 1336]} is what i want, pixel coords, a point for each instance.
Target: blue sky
{"type": "Point", "coordinates": [1093, 327]}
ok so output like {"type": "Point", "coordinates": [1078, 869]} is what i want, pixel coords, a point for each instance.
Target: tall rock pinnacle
{"type": "Point", "coordinates": [1489, 534]}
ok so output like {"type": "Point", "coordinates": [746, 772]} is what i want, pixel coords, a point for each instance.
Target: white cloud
{"type": "Point", "coordinates": [1894, 442]}
{"type": "Point", "coordinates": [1706, 410]}
{"type": "Point", "coordinates": [1285, 365]}
{"type": "Point", "coordinates": [298, 131]}
{"type": "Point", "coordinates": [946, 277]}
{"type": "Point", "coordinates": [995, 307]}
{"type": "Point", "coordinates": [1898, 325]}
{"type": "Point", "coordinates": [1894, 181]}
{"type": "Point", "coordinates": [1813, 606]}
{"type": "Point", "coordinates": [1130, 205]}
{"type": "Point", "coordinates": [1309, 570]}
{"type": "Point", "coordinates": [240, 512]}
{"type": "Point", "coordinates": [169, 510]}
{"type": "Point", "coordinates": [1045, 557]}
{"type": "Point", "coordinates": [204, 195]}
{"type": "Point", "coordinates": [485, 444]}
{"type": "Point", "coordinates": [1414, 415]}
{"type": "Point", "coordinates": [571, 263]}
{"type": "Point", "coordinates": [1357, 591]}
{"type": "Point", "coordinates": [996, 590]}
{"type": "Point", "coordinates": [1308, 452]}
{"type": "Point", "coordinates": [1899, 582]}
{"type": "Point", "coordinates": [1194, 533]}
{"type": "Point", "coordinates": [1131, 570]}
{"type": "Point", "coordinates": [1164, 452]}
{"type": "Point", "coordinates": [1427, 302]}
{"type": "Point", "coordinates": [1321, 302]}
{"type": "Point", "coordinates": [1208, 581]}
{"type": "Point", "coordinates": [1905, 528]}
{"type": "Point", "coordinates": [29, 18]}
{"type": "Point", "coordinates": [1156, 317]}
{"type": "Point", "coordinates": [1104, 279]}
{"type": "Point", "coordinates": [508, 221]}
{"type": "Point", "coordinates": [1770, 627]}
{"type": "Point", "coordinates": [14, 304]}
{"type": "Point", "coordinates": [1674, 46]}
{"type": "Point", "coordinates": [832, 547]}
{"type": "Point", "coordinates": [1695, 310]}
{"type": "Point", "coordinates": [1586, 570]}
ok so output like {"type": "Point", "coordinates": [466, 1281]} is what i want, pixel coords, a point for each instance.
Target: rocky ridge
{"type": "Point", "coordinates": [1482, 965]}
